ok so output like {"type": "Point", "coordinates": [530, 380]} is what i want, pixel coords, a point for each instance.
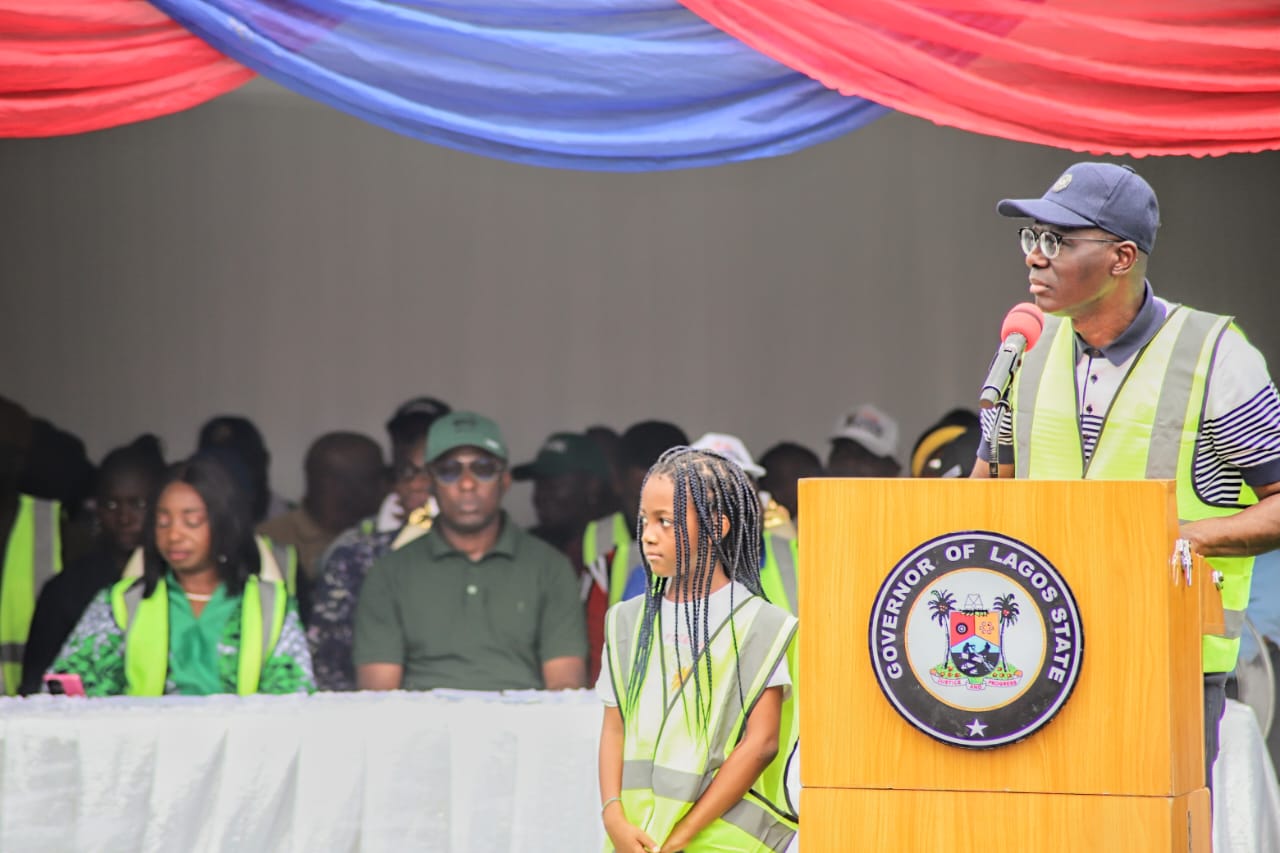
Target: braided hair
{"type": "Point", "coordinates": [719, 491]}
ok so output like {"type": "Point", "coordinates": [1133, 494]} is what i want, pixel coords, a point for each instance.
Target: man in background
{"type": "Point", "coordinates": [570, 479]}
{"type": "Point", "coordinates": [476, 603]}
{"type": "Point", "coordinates": [863, 444]}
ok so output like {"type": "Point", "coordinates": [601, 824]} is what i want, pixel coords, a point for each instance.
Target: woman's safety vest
{"type": "Point", "coordinates": [1149, 433]}
{"type": "Point", "coordinates": [33, 555]}
{"type": "Point", "coordinates": [145, 622]}
{"type": "Point", "coordinates": [669, 760]}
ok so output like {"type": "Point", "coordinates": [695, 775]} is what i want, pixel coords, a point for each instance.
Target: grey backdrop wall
{"type": "Point", "coordinates": [266, 255]}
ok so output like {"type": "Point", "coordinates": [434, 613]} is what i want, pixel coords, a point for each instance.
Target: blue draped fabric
{"type": "Point", "coordinates": [623, 85]}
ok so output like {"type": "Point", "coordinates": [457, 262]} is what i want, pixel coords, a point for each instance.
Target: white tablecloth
{"type": "Point", "coordinates": [1246, 799]}
{"type": "Point", "coordinates": [447, 773]}
{"type": "Point", "coordinates": [368, 772]}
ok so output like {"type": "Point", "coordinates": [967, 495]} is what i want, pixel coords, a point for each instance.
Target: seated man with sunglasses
{"type": "Point", "coordinates": [1124, 385]}
{"type": "Point", "coordinates": [476, 603]}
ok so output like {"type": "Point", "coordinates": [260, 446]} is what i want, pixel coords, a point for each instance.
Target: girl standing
{"type": "Point", "coordinates": [698, 724]}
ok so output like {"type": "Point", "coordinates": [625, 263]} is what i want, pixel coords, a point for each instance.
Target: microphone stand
{"type": "Point", "coordinates": [1003, 409]}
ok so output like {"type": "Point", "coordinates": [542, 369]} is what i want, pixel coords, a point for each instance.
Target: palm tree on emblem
{"type": "Point", "coordinates": [1008, 607]}
{"type": "Point", "coordinates": [942, 603]}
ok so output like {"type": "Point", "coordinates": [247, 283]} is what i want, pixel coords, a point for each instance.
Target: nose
{"type": "Point", "coordinates": [167, 536]}
{"type": "Point", "coordinates": [1036, 259]}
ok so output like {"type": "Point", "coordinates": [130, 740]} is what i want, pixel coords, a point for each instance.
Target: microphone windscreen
{"type": "Point", "coordinates": [1025, 319]}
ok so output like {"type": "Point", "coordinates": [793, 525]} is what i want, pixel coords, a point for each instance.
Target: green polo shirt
{"type": "Point", "coordinates": [483, 625]}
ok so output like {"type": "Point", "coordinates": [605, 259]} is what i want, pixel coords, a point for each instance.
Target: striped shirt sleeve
{"type": "Point", "coordinates": [1004, 436]}
{"type": "Point", "coordinates": [1240, 436]}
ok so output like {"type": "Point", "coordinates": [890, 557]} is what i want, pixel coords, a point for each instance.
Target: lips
{"type": "Point", "coordinates": [177, 556]}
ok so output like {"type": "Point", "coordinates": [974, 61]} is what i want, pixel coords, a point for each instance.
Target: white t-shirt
{"type": "Point", "coordinates": [673, 624]}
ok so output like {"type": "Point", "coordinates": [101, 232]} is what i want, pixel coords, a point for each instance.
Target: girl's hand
{"type": "Point", "coordinates": [677, 841]}
{"type": "Point", "coordinates": [625, 836]}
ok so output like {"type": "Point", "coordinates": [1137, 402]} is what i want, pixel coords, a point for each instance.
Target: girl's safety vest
{"type": "Point", "coordinates": [145, 622]}
{"type": "Point", "coordinates": [669, 760]}
{"type": "Point", "coordinates": [1149, 433]}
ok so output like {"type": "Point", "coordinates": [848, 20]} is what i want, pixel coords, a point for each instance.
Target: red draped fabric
{"type": "Point", "coordinates": [69, 66]}
{"type": "Point", "coordinates": [1130, 77]}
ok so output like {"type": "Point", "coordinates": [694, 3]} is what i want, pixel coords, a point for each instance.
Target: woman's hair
{"type": "Point", "coordinates": [142, 456]}
{"type": "Point", "coordinates": [231, 540]}
{"type": "Point", "coordinates": [719, 491]}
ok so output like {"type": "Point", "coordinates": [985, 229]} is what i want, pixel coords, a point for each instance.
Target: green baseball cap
{"type": "Point", "coordinates": [564, 453]}
{"type": "Point", "coordinates": [464, 429]}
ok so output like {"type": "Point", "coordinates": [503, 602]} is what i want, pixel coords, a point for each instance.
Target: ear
{"type": "Point", "coordinates": [506, 481]}
{"type": "Point", "coordinates": [1126, 257]}
{"type": "Point", "coordinates": [724, 526]}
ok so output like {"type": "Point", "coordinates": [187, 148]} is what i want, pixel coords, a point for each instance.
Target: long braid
{"type": "Point", "coordinates": [719, 491]}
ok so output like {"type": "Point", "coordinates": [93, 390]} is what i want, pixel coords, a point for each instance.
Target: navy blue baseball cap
{"type": "Point", "coordinates": [1095, 195]}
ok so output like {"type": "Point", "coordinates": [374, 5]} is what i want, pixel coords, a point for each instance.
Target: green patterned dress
{"type": "Point", "coordinates": [204, 651]}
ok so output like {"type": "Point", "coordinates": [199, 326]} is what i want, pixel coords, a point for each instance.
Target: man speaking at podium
{"type": "Point", "coordinates": [1124, 385]}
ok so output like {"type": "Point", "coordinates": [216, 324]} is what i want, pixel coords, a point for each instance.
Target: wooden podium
{"type": "Point", "coordinates": [1118, 767]}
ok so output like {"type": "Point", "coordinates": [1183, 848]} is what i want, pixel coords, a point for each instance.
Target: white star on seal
{"type": "Point", "coordinates": [976, 729]}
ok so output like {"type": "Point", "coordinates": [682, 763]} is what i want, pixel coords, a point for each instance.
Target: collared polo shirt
{"type": "Point", "coordinates": [1240, 431]}
{"type": "Point", "coordinates": [483, 625]}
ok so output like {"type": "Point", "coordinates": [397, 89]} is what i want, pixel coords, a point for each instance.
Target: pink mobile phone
{"type": "Point", "coordinates": [64, 685]}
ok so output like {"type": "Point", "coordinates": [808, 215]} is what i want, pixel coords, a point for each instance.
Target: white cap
{"type": "Point", "coordinates": [870, 427]}
{"type": "Point", "coordinates": [729, 446]}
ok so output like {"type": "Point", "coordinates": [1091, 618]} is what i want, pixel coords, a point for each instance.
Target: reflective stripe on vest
{"type": "Point", "coordinates": [602, 536]}
{"type": "Point", "coordinates": [32, 556]}
{"type": "Point", "coordinates": [145, 622]}
{"type": "Point", "coordinates": [779, 578]}
{"type": "Point", "coordinates": [285, 558]}
{"type": "Point", "coordinates": [668, 759]}
{"type": "Point", "coordinates": [1149, 432]}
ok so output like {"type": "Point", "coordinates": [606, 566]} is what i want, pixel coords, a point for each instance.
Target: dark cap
{"type": "Point", "coordinates": [564, 453]}
{"type": "Point", "coordinates": [1096, 195]}
{"type": "Point", "coordinates": [464, 429]}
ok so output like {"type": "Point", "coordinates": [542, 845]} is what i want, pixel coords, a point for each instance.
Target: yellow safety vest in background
{"type": "Point", "coordinates": [32, 556]}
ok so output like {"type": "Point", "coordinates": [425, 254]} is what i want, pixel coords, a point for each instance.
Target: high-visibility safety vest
{"type": "Point", "coordinates": [1149, 433]}
{"type": "Point", "coordinates": [610, 534]}
{"type": "Point", "coordinates": [668, 760]}
{"type": "Point", "coordinates": [779, 577]}
{"type": "Point", "coordinates": [32, 556]}
{"type": "Point", "coordinates": [285, 558]}
{"type": "Point", "coordinates": [145, 622]}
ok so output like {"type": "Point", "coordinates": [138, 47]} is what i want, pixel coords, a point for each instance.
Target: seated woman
{"type": "Point", "coordinates": [200, 620]}
{"type": "Point", "coordinates": [127, 478]}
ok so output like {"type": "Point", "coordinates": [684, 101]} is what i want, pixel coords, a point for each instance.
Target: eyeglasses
{"type": "Point", "coordinates": [408, 471]}
{"type": "Point", "coordinates": [484, 469]}
{"type": "Point", "coordinates": [1051, 241]}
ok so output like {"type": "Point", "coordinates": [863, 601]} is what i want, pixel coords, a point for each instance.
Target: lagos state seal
{"type": "Point", "coordinates": [976, 639]}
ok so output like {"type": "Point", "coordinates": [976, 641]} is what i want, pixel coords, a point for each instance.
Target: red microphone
{"type": "Point", "coordinates": [1018, 334]}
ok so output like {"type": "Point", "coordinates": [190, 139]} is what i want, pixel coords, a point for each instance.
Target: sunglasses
{"type": "Point", "coordinates": [483, 470]}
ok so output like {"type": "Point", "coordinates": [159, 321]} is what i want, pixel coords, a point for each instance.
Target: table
{"type": "Point", "coordinates": [445, 771]}
{"type": "Point", "coordinates": [331, 772]}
